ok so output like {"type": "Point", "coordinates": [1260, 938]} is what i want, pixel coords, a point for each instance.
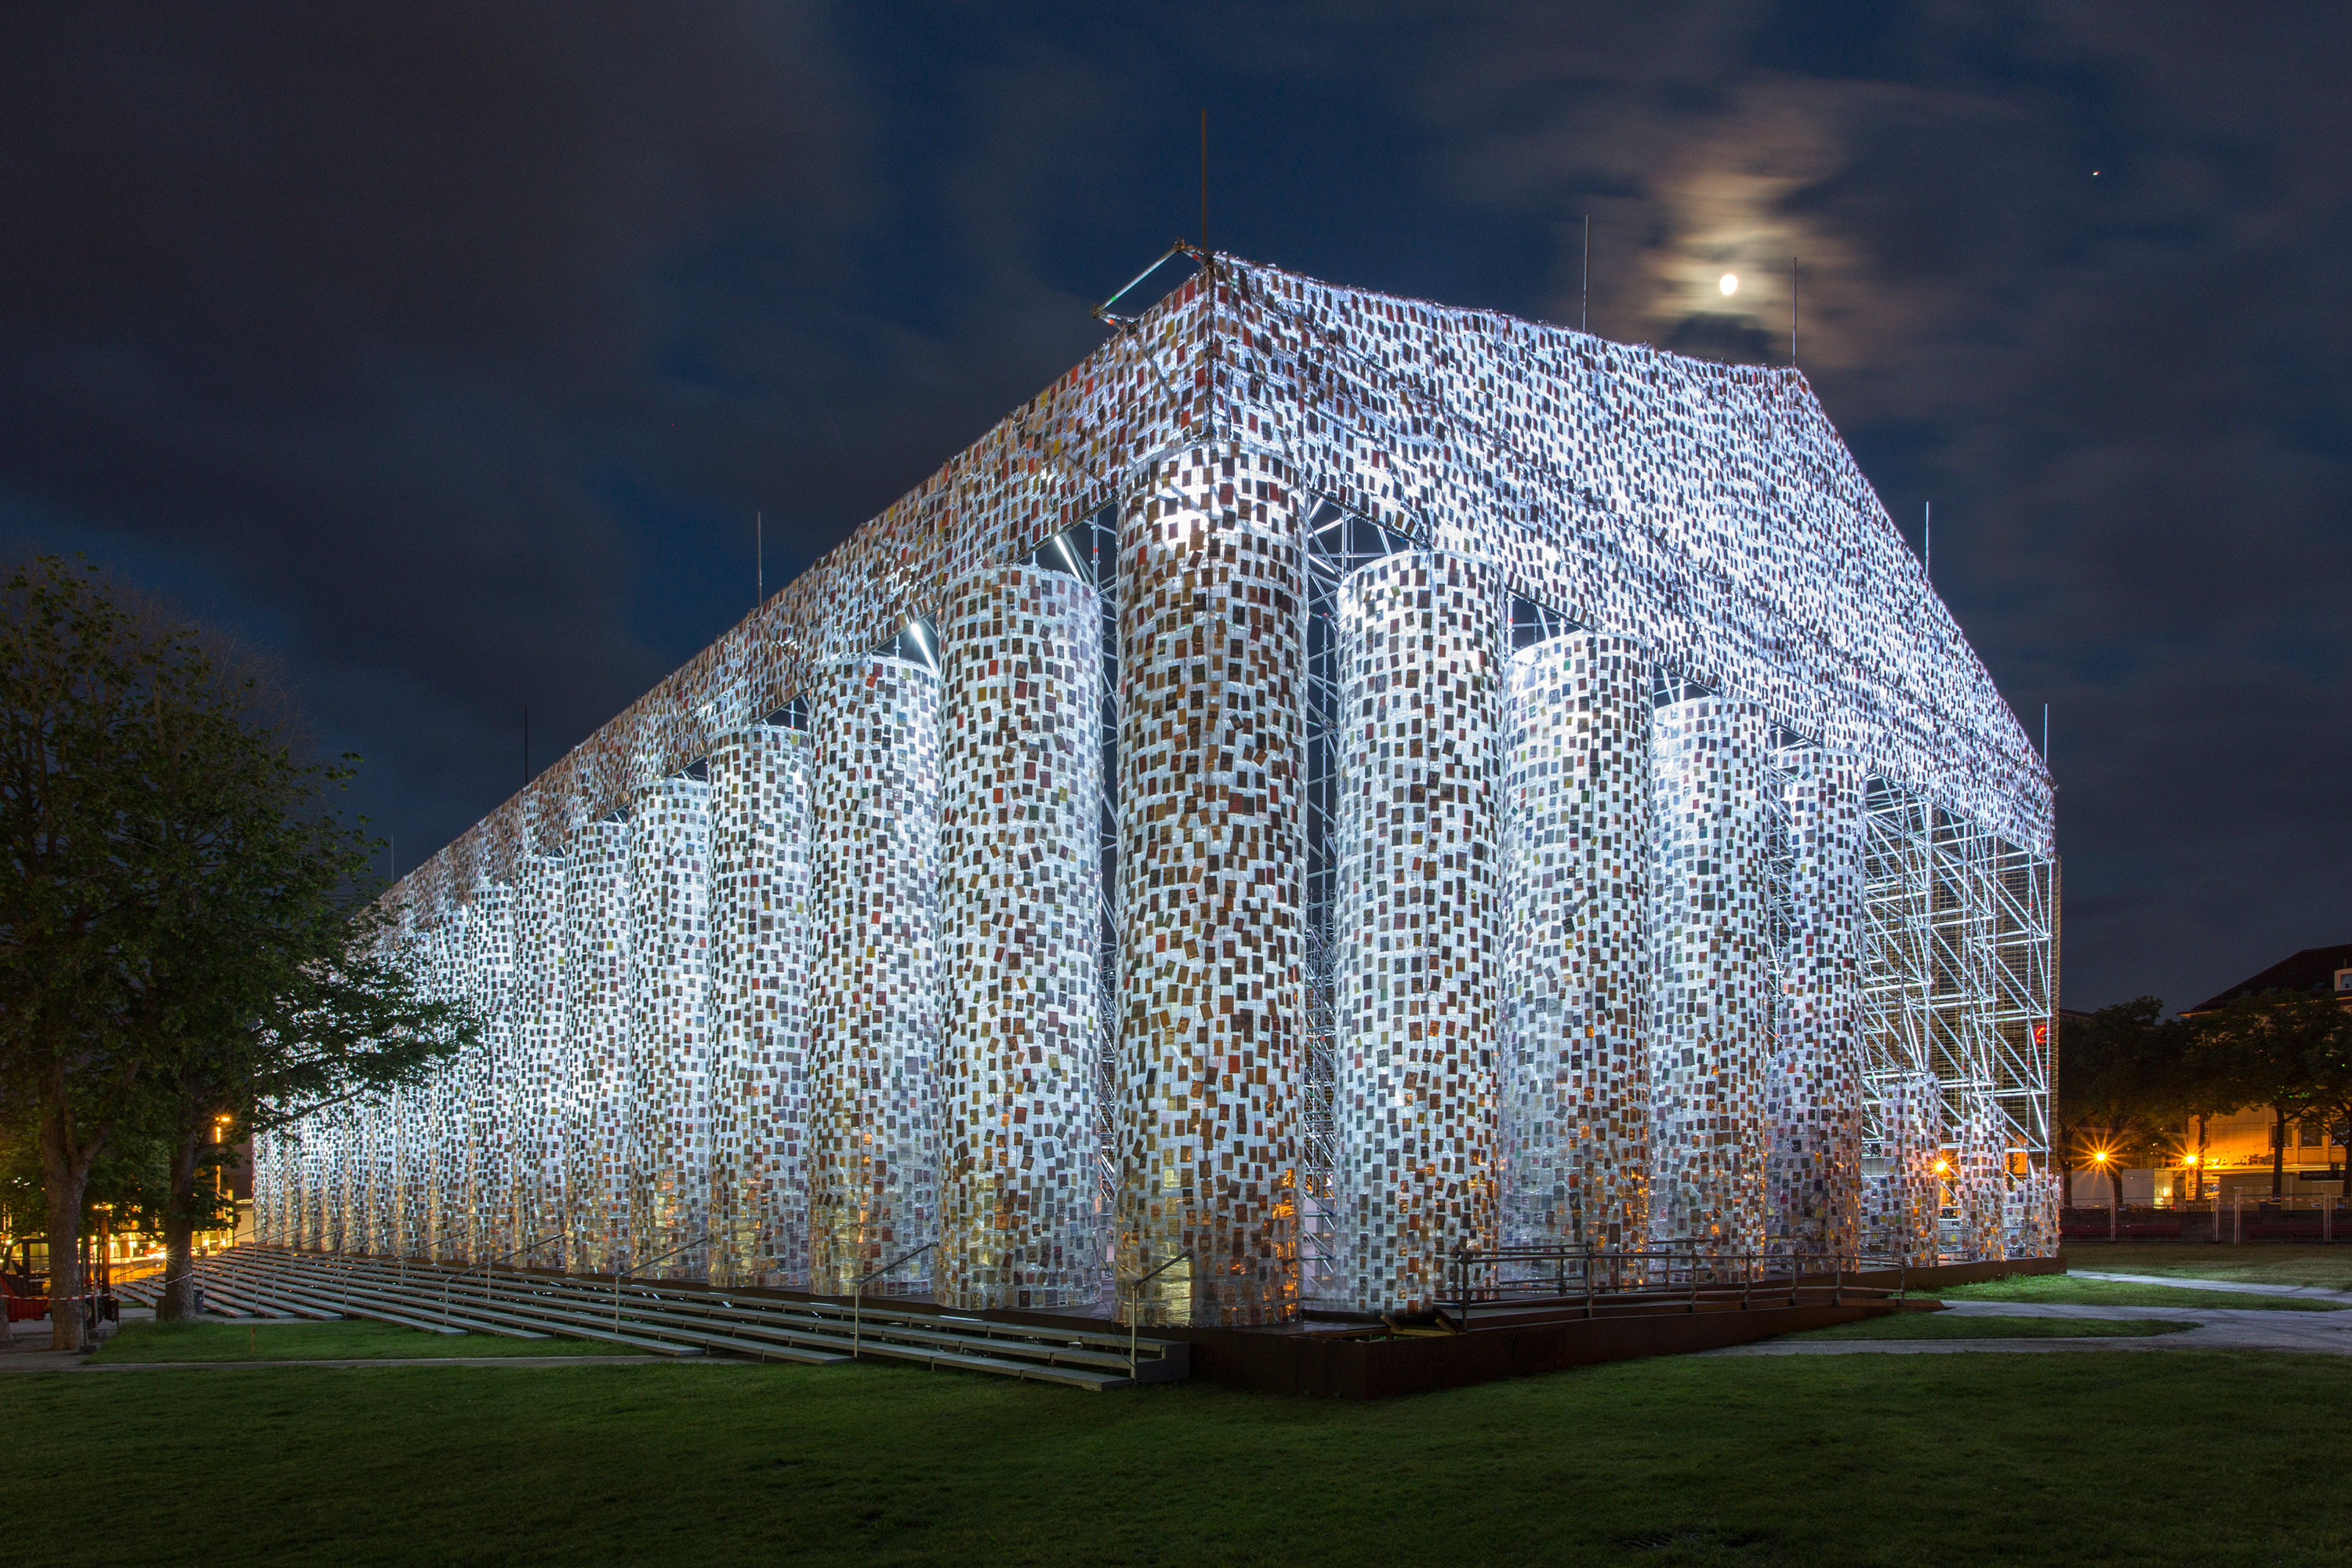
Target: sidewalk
{"type": "Point", "coordinates": [2217, 1328]}
{"type": "Point", "coordinates": [2308, 1292]}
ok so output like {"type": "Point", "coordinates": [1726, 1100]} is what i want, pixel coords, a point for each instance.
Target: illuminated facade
{"type": "Point", "coordinates": [1331, 783]}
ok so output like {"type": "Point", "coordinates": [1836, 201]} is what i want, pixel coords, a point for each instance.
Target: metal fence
{"type": "Point", "coordinates": [2229, 1219]}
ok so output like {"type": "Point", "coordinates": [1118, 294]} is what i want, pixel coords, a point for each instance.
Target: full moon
{"type": "Point", "coordinates": [1730, 284]}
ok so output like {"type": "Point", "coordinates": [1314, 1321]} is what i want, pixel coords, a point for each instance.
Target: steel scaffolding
{"type": "Point", "coordinates": [1959, 989]}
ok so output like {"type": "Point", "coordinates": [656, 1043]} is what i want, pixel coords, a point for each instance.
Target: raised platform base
{"type": "Point", "coordinates": [1345, 1364]}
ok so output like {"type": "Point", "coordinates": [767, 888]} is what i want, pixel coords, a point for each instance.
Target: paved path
{"type": "Point", "coordinates": [2217, 1328]}
{"type": "Point", "coordinates": [2307, 1293]}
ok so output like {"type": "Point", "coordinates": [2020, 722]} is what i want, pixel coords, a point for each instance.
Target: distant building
{"type": "Point", "coordinates": [2322, 971]}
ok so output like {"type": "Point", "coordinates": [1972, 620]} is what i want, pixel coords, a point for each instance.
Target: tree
{"type": "Point", "coordinates": [2122, 1092]}
{"type": "Point", "coordinates": [2211, 1086]}
{"type": "Point", "coordinates": [2330, 1061]}
{"type": "Point", "coordinates": [276, 990]}
{"type": "Point", "coordinates": [173, 901]}
{"type": "Point", "coordinates": [2265, 1047]}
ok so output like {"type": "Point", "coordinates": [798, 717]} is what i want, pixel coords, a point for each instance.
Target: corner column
{"type": "Point", "coordinates": [1212, 997]}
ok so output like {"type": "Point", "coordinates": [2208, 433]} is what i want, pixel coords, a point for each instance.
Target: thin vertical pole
{"type": "Point", "coordinates": [1584, 308]}
{"type": "Point", "coordinates": [2046, 736]}
{"type": "Point", "coordinates": [525, 745]}
{"type": "Point", "coordinates": [1204, 179]}
{"type": "Point", "coordinates": [1792, 311]}
{"type": "Point", "coordinates": [760, 557]}
{"type": "Point", "coordinates": [1927, 540]}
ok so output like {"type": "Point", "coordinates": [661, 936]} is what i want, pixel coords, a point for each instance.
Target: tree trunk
{"type": "Point", "coordinates": [2203, 1144]}
{"type": "Point", "coordinates": [2278, 1152]}
{"type": "Point", "coordinates": [65, 1176]}
{"type": "Point", "coordinates": [178, 1302]}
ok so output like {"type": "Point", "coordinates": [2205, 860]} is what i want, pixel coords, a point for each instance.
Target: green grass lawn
{"type": "Point", "coordinates": [2065, 1288]}
{"type": "Point", "coordinates": [2255, 1263]}
{"type": "Point", "coordinates": [1950, 1326]}
{"type": "Point", "coordinates": [1754, 1460]}
{"type": "Point", "coordinates": [352, 1339]}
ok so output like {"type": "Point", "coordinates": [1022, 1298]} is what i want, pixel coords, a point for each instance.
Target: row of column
{"type": "Point", "coordinates": [827, 1014]}
{"type": "Point", "coordinates": [824, 1002]}
{"type": "Point", "coordinates": [1571, 1008]}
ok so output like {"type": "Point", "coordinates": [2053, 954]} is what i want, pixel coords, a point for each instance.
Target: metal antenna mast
{"type": "Point", "coordinates": [1584, 307]}
{"type": "Point", "coordinates": [759, 556]}
{"type": "Point", "coordinates": [1792, 311]}
{"type": "Point", "coordinates": [1927, 539]}
{"type": "Point", "coordinates": [1204, 180]}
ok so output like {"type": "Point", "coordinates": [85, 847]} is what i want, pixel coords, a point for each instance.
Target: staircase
{"type": "Point", "coordinates": [663, 1317]}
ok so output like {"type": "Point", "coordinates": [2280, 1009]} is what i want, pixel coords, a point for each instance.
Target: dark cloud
{"type": "Point", "coordinates": [448, 351]}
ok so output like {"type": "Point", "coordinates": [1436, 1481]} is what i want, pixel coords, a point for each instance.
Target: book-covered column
{"type": "Point", "coordinates": [543, 1077]}
{"type": "Point", "coordinates": [1712, 1009]}
{"type": "Point", "coordinates": [669, 1029]}
{"type": "Point", "coordinates": [1022, 874]}
{"type": "Point", "coordinates": [595, 1022]}
{"type": "Point", "coordinates": [1419, 656]}
{"type": "Point", "coordinates": [1575, 1114]}
{"type": "Point", "coordinates": [758, 1001]}
{"type": "Point", "coordinates": [1814, 1096]}
{"type": "Point", "coordinates": [1211, 998]}
{"type": "Point", "coordinates": [874, 982]}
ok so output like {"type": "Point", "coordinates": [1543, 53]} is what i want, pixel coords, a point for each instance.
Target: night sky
{"type": "Point", "coordinates": [444, 353]}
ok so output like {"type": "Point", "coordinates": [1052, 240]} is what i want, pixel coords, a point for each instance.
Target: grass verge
{"type": "Point", "coordinates": [2067, 1289]}
{"type": "Point", "coordinates": [352, 1339]}
{"type": "Point", "coordinates": [1948, 1326]}
{"type": "Point", "coordinates": [2255, 1263]}
{"type": "Point", "coordinates": [1755, 1460]}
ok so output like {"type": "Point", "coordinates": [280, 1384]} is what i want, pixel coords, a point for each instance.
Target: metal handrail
{"type": "Point", "coordinates": [1654, 1271]}
{"type": "Point", "coordinates": [488, 1264]}
{"type": "Point", "coordinates": [648, 1263]}
{"type": "Point", "coordinates": [857, 1293]}
{"type": "Point", "coordinates": [1134, 1284]}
